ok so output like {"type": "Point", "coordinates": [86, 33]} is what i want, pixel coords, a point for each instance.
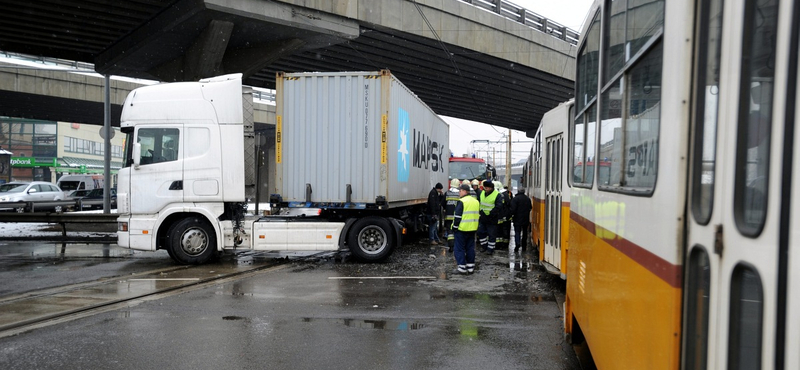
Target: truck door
{"type": "Point", "coordinates": [159, 178]}
{"type": "Point", "coordinates": [552, 199]}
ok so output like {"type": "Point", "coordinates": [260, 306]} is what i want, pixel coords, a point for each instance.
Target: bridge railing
{"type": "Point", "coordinates": [528, 18]}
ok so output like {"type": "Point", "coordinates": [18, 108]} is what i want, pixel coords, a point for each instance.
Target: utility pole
{"type": "Point", "coordinates": [508, 163]}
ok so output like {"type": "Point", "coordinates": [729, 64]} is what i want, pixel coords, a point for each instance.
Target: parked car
{"type": "Point", "coordinates": [77, 194]}
{"type": "Point", "coordinates": [96, 195]}
{"type": "Point", "coordinates": [36, 191]}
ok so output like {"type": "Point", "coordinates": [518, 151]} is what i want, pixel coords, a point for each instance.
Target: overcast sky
{"type": "Point", "coordinates": [567, 12]}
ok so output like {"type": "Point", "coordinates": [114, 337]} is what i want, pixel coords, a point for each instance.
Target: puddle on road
{"type": "Point", "coordinates": [394, 325]}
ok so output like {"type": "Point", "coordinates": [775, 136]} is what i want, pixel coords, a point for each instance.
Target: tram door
{"type": "Point", "coordinates": [737, 222]}
{"type": "Point", "coordinates": [552, 200]}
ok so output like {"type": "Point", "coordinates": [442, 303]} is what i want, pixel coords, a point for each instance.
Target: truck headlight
{"type": "Point", "coordinates": [122, 226]}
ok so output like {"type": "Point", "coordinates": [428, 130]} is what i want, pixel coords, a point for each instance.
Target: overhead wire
{"type": "Point", "coordinates": [449, 56]}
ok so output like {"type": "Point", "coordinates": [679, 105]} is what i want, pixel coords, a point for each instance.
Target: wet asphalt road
{"type": "Point", "coordinates": [313, 313]}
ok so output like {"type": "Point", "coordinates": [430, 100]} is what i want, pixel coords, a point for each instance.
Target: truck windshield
{"type": "Point", "coordinates": [468, 170]}
{"type": "Point", "coordinates": [128, 161]}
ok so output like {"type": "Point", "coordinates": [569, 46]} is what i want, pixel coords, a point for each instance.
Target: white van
{"type": "Point", "coordinates": [70, 183]}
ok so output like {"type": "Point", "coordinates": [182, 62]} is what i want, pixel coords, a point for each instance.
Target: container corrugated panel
{"type": "Point", "coordinates": [362, 129]}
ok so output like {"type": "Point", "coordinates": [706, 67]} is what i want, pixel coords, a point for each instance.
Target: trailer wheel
{"type": "Point", "coordinates": [191, 241]}
{"type": "Point", "coordinates": [370, 239]}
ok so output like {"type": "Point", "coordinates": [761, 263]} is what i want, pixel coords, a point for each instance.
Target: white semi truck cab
{"type": "Point", "coordinates": [183, 185]}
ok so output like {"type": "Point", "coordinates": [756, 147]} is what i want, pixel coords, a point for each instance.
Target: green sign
{"type": "Point", "coordinates": [28, 162]}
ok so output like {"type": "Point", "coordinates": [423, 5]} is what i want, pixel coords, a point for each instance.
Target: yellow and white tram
{"type": "Point", "coordinates": [684, 219]}
{"type": "Point", "coordinates": [546, 181]}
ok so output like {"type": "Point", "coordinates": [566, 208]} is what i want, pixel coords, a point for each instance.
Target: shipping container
{"type": "Point", "coordinates": [355, 140]}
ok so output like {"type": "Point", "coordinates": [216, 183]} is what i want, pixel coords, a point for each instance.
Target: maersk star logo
{"type": "Point", "coordinates": [403, 146]}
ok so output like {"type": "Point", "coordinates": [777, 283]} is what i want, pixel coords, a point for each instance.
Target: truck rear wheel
{"type": "Point", "coordinates": [370, 239]}
{"type": "Point", "coordinates": [191, 241]}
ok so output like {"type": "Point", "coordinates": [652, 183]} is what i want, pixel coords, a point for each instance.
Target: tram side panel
{"type": "Point", "coordinates": [555, 125]}
{"type": "Point", "coordinates": [535, 192]}
{"type": "Point", "coordinates": [625, 229]}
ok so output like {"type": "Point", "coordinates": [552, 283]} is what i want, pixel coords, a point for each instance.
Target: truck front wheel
{"type": "Point", "coordinates": [370, 239]}
{"type": "Point", "coordinates": [191, 241]}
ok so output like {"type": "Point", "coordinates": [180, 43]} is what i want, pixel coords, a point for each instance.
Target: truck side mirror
{"type": "Point", "coordinates": [137, 155]}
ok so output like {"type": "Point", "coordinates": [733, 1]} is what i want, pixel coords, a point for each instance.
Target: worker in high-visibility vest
{"type": "Point", "coordinates": [465, 223]}
{"type": "Point", "coordinates": [491, 205]}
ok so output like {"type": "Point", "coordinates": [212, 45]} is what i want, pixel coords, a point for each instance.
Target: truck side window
{"type": "Point", "coordinates": [158, 144]}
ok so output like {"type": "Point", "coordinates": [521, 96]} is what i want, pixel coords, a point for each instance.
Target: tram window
{"type": "Point", "coordinates": [591, 142]}
{"type": "Point", "coordinates": [538, 158]}
{"type": "Point", "coordinates": [611, 134]}
{"type": "Point", "coordinates": [645, 17]}
{"type": "Point", "coordinates": [643, 115]}
{"type": "Point", "coordinates": [578, 150]}
{"type": "Point", "coordinates": [629, 141]}
{"type": "Point", "coordinates": [709, 32]}
{"type": "Point", "coordinates": [585, 123]}
{"type": "Point", "coordinates": [746, 319]}
{"type": "Point", "coordinates": [698, 290]}
{"type": "Point", "coordinates": [755, 113]}
{"type": "Point", "coordinates": [614, 50]}
{"type": "Point", "coordinates": [588, 66]}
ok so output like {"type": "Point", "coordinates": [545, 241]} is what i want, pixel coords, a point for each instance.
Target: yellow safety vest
{"type": "Point", "coordinates": [469, 218]}
{"type": "Point", "coordinates": [487, 202]}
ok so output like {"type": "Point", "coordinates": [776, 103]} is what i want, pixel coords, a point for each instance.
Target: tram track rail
{"type": "Point", "coordinates": [24, 312]}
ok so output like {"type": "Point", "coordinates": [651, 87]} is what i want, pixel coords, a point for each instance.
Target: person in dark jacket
{"type": "Point", "coordinates": [520, 212]}
{"type": "Point", "coordinates": [504, 223]}
{"type": "Point", "coordinates": [432, 212]}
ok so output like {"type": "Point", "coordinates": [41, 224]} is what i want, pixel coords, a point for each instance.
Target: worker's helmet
{"type": "Point", "coordinates": [465, 182]}
{"type": "Point", "coordinates": [476, 182]}
{"type": "Point", "coordinates": [454, 183]}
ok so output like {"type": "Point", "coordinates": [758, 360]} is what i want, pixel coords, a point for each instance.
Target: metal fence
{"type": "Point", "coordinates": [57, 206]}
{"type": "Point", "coordinates": [528, 18]}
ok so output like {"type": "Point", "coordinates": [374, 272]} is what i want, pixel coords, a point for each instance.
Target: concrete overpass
{"type": "Point", "coordinates": [493, 66]}
{"type": "Point", "coordinates": [69, 96]}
